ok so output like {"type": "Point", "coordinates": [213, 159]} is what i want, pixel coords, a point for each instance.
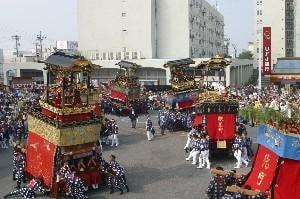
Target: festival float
{"type": "Point", "coordinates": [216, 111]}
{"type": "Point", "coordinates": [184, 92]}
{"type": "Point", "coordinates": [65, 127]}
{"type": "Point", "coordinates": [276, 166]}
{"type": "Point", "coordinates": [124, 90]}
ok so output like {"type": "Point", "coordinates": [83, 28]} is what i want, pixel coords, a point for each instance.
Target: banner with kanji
{"type": "Point", "coordinates": [263, 170]}
{"type": "Point", "coordinates": [40, 158]}
{"type": "Point", "coordinates": [267, 58]}
{"type": "Point", "coordinates": [221, 126]}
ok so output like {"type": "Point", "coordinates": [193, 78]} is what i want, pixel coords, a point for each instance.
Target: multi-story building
{"type": "Point", "coordinates": [284, 19]}
{"type": "Point", "coordinates": [149, 29]}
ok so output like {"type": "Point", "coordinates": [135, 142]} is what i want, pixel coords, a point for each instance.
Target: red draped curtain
{"type": "Point", "coordinates": [288, 180]}
{"type": "Point", "coordinates": [40, 158]}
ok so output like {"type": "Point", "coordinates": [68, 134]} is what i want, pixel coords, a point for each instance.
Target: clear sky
{"type": "Point", "coordinates": [57, 19]}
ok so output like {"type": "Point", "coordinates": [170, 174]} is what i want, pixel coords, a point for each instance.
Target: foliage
{"type": "Point", "coordinates": [254, 77]}
{"type": "Point", "coordinates": [265, 115]}
{"type": "Point", "coordinates": [246, 55]}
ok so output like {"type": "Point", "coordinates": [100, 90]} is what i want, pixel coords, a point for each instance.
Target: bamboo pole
{"type": "Point", "coordinates": [234, 189]}
{"type": "Point", "coordinates": [225, 172]}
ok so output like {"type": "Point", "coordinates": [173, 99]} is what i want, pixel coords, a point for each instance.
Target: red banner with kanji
{"type": "Point", "coordinates": [267, 58]}
{"type": "Point", "coordinates": [263, 170]}
{"type": "Point", "coordinates": [288, 183]}
{"type": "Point", "coordinates": [40, 158]}
{"type": "Point", "coordinates": [221, 126]}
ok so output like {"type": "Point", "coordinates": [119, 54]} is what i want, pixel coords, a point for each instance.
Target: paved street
{"type": "Point", "coordinates": [155, 169]}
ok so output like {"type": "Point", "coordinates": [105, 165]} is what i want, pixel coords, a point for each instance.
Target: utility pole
{"type": "Point", "coordinates": [36, 51]}
{"type": "Point", "coordinates": [227, 44]}
{"type": "Point", "coordinates": [40, 39]}
{"type": "Point", "coordinates": [235, 50]}
{"type": "Point", "coordinates": [17, 38]}
{"type": "Point", "coordinates": [260, 58]}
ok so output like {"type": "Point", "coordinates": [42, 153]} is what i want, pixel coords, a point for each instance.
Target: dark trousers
{"type": "Point", "coordinates": [133, 122]}
{"type": "Point", "coordinates": [162, 129]}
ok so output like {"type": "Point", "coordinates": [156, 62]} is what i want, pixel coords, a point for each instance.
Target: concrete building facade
{"type": "Point", "coordinates": [284, 19]}
{"type": "Point", "coordinates": [22, 68]}
{"type": "Point", "coordinates": [149, 29]}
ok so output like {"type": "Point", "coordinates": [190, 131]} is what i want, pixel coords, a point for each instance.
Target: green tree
{"type": "Point", "coordinates": [246, 55]}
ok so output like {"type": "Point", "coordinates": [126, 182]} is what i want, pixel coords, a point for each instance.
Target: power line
{"type": "Point", "coordinates": [17, 38]}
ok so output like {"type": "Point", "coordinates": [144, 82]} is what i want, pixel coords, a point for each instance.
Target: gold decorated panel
{"type": "Point", "coordinates": [79, 134]}
{"type": "Point", "coordinates": [65, 136]}
{"type": "Point", "coordinates": [43, 129]}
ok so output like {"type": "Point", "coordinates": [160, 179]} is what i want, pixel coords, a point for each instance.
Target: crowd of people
{"type": "Point", "coordinates": [278, 99]}
{"type": "Point", "coordinates": [217, 188]}
{"type": "Point", "coordinates": [74, 178]}
{"type": "Point", "coordinates": [77, 180]}
{"type": "Point", "coordinates": [109, 132]}
{"type": "Point", "coordinates": [198, 145]}
{"type": "Point", "coordinates": [77, 176]}
{"type": "Point", "coordinates": [13, 125]}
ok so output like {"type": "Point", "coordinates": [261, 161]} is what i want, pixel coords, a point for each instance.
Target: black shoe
{"type": "Point", "coordinates": [121, 191]}
{"type": "Point", "coordinates": [127, 188]}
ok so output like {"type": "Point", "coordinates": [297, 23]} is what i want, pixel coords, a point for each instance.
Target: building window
{"type": "Point", "coordinates": [134, 55]}
{"type": "Point", "coordinates": [111, 56]}
{"type": "Point", "coordinates": [123, 14]}
{"type": "Point", "coordinates": [127, 55]}
{"type": "Point", "coordinates": [119, 56]}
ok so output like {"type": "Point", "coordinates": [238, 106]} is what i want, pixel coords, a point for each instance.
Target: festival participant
{"type": "Point", "coordinates": [162, 124]}
{"type": "Point", "coordinates": [19, 167]}
{"type": "Point", "coordinates": [195, 150]}
{"type": "Point", "coordinates": [65, 170]}
{"type": "Point", "coordinates": [248, 139]}
{"type": "Point", "coordinates": [16, 146]}
{"type": "Point", "coordinates": [217, 185]}
{"type": "Point", "coordinates": [93, 167]}
{"type": "Point", "coordinates": [119, 173]}
{"type": "Point", "coordinates": [189, 123]}
{"type": "Point", "coordinates": [171, 121]}
{"type": "Point", "coordinates": [112, 161]}
{"type": "Point", "coordinates": [133, 117]}
{"type": "Point", "coordinates": [27, 192]}
{"type": "Point", "coordinates": [189, 139]}
{"type": "Point", "coordinates": [241, 195]}
{"type": "Point", "coordinates": [237, 148]}
{"type": "Point", "coordinates": [204, 154]}
{"type": "Point", "coordinates": [149, 128]}
{"type": "Point", "coordinates": [76, 186]}
{"type": "Point", "coordinates": [82, 173]}
{"type": "Point", "coordinates": [115, 132]}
